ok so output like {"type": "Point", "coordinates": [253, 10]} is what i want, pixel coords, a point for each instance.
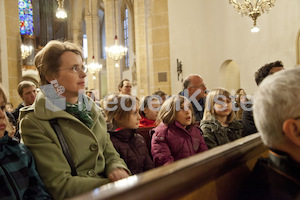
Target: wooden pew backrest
{"type": "Point", "coordinates": [213, 174]}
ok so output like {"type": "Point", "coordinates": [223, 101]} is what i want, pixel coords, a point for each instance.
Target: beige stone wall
{"type": "Point", "coordinates": [159, 47]}
{"type": "Point", "coordinates": [152, 46]}
{"type": "Point", "coordinates": [113, 73]}
{"type": "Point", "coordinates": [141, 48]}
{"type": "Point", "coordinates": [13, 49]}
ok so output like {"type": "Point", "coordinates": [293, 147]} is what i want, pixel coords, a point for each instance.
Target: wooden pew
{"type": "Point", "coordinates": [144, 131]}
{"type": "Point", "coordinates": [214, 174]}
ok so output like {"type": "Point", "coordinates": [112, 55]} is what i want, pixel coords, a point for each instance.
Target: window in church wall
{"type": "Point", "coordinates": [126, 40]}
{"type": "Point", "coordinates": [26, 17]}
{"type": "Point", "coordinates": [85, 47]}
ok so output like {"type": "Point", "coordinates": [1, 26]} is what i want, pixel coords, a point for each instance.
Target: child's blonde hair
{"type": "Point", "coordinates": [170, 108]}
{"type": "Point", "coordinates": [210, 102]}
{"type": "Point", "coordinates": [119, 106]}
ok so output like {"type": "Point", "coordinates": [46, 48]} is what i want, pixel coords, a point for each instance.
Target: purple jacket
{"type": "Point", "coordinates": [174, 142]}
{"type": "Point", "coordinates": [132, 148]}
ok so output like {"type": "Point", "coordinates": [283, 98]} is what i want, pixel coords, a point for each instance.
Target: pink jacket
{"type": "Point", "coordinates": [174, 142]}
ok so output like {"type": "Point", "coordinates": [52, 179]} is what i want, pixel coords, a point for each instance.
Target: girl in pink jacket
{"type": "Point", "coordinates": [176, 136]}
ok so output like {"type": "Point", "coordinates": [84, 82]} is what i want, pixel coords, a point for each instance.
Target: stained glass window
{"type": "Point", "coordinates": [126, 38]}
{"type": "Point", "coordinates": [25, 17]}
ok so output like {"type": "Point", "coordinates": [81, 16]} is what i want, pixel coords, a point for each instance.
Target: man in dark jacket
{"type": "Point", "coordinates": [194, 89]}
{"type": "Point", "coordinates": [27, 91]}
{"type": "Point", "coordinates": [260, 75]}
{"type": "Point", "coordinates": [277, 118]}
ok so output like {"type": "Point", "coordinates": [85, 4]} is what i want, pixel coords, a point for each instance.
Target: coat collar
{"type": "Point", "coordinates": [215, 124]}
{"type": "Point", "coordinates": [44, 108]}
{"type": "Point", "coordinates": [147, 122]}
{"type": "Point", "coordinates": [178, 125]}
{"type": "Point", "coordinates": [282, 161]}
{"type": "Point", "coordinates": [124, 134]}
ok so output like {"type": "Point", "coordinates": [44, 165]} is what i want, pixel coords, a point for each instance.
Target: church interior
{"type": "Point", "coordinates": [159, 43]}
{"type": "Point", "coordinates": [166, 41]}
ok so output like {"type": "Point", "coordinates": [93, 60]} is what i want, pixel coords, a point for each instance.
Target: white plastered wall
{"type": "Point", "coordinates": [204, 34]}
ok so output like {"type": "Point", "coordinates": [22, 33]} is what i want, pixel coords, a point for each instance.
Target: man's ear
{"type": "Point", "coordinates": [291, 129]}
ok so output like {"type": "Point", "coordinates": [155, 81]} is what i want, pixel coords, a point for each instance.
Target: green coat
{"type": "Point", "coordinates": [215, 134]}
{"type": "Point", "coordinates": [92, 151]}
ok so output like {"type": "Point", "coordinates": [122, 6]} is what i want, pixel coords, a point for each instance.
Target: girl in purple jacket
{"type": "Point", "coordinates": [122, 112]}
{"type": "Point", "coordinates": [176, 136]}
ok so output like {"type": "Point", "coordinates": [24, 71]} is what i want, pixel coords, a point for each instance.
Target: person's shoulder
{"type": "Point", "coordinates": [161, 129]}
{"type": "Point", "coordinates": [206, 122]}
{"type": "Point", "coordinates": [14, 147]}
{"type": "Point", "coordinates": [236, 124]}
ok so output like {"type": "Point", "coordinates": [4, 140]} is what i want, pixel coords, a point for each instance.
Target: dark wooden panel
{"type": "Point", "coordinates": [185, 176]}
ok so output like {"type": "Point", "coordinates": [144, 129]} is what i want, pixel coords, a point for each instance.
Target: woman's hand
{"type": "Point", "coordinates": [117, 174]}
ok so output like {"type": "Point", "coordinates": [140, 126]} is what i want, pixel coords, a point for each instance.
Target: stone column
{"type": "Point", "coordinates": [93, 39]}
{"type": "Point", "coordinates": [11, 68]}
{"type": "Point", "coordinates": [113, 73]}
{"type": "Point", "coordinates": [152, 46]}
{"type": "Point", "coordinates": [159, 46]}
{"type": "Point", "coordinates": [141, 48]}
{"type": "Point", "coordinates": [77, 36]}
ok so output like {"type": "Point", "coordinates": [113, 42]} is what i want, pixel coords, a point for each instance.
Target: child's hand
{"type": "Point", "coordinates": [117, 174]}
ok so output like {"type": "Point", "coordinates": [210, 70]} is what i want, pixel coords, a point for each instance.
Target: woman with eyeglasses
{"type": "Point", "coordinates": [96, 162]}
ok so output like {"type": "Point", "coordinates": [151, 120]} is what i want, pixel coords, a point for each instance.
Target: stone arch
{"type": "Point", "coordinates": [229, 75]}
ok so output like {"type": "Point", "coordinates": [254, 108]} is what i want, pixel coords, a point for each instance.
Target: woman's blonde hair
{"type": "Point", "coordinates": [118, 106]}
{"type": "Point", "coordinates": [211, 98]}
{"type": "Point", "coordinates": [48, 61]}
{"type": "Point", "coordinates": [170, 108]}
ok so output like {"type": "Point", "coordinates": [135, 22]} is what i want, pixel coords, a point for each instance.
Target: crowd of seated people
{"type": "Point", "coordinates": [104, 144]}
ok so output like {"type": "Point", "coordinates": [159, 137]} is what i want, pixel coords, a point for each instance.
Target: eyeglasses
{"type": "Point", "coordinates": [76, 68]}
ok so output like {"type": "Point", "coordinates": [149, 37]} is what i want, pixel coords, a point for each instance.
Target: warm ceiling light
{"type": "Point", "coordinates": [253, 10]}
{"type": "Point", "coordinates": [61, 13]}
{"type": "Point", "coordinates": [116, 51]}
{"type": "Point", "coordinates": [26, 51]}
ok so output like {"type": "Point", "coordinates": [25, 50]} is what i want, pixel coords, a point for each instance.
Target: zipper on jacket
{"type": "Point", "coordinates": [11, 182]}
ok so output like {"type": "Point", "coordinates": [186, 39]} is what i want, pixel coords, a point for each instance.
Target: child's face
{"type": "Point", "coordinates": [223, 107]}
{"type": "Point", "coordinates": [132, 121]}
{"type": "Point", "coordinates": [9, 108]}
{"type": "Point", "coordinates": [243, 98]}
{"type": "Point", "coordinates": [2, 117]}
{"type": "Point", "coordinates": [184, 115]}
{"type": "Point", "coordinates": [152, 111]}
